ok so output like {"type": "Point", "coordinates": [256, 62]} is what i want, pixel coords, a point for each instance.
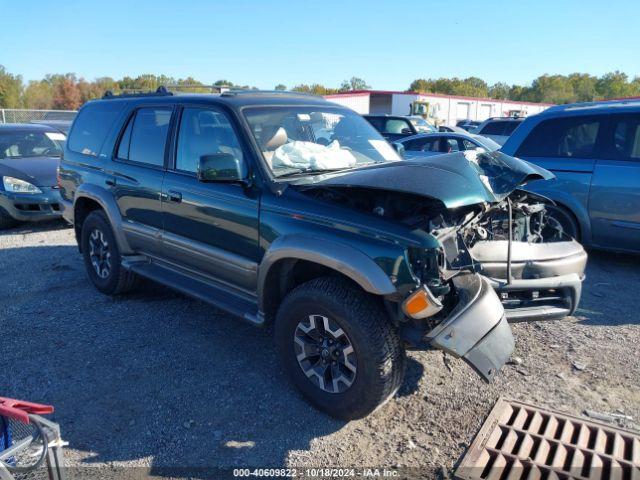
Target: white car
{"type": "Point", "coordinates": [430, 144]}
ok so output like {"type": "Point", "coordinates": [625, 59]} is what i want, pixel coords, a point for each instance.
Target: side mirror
{"type": "Point", "coordinates": [406, 130]}
{"type": "Point", "coordinates": [220, 167]}
{"type": "Point", "coordinates": [399, 148]}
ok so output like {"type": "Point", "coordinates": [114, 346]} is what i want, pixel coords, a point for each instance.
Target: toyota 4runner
{"type": "Point", "coordinates": [285, 208]}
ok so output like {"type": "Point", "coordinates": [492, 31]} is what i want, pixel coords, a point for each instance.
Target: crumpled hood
{"type": "Point", "coordinates": [457, 179]}
{"type": "Point", "coordinates": [39, 171]}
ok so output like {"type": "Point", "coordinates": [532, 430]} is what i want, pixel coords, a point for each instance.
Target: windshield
{"type": "Point", "coordinates": [316, 139]}
{"type": "Point", "coordinates": [21, 144]}
{"type": "Point", "coordinates": [489, 144]}
{"type": "Point", "coordinates": [422, 125]}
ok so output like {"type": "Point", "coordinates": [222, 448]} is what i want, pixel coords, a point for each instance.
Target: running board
{"type": "Point", "coordinates": [194, 285]}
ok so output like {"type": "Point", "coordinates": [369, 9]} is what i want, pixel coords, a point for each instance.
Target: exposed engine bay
{"type": "Point", "coordinates": [535, 267]}
{"type": "Point", "coordinates": [457, 229]}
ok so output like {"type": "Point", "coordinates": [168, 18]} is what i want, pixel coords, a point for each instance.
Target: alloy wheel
{"type": "Point", "coordinates": [100, 253]}
{"type": "Point", "coordinates": [325, 354]}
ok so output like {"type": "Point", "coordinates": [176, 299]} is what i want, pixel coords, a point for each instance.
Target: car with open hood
{"type": "Point", "coordinates": [29, 156]}
{"type": "Point", "coordinates": [287, 209]}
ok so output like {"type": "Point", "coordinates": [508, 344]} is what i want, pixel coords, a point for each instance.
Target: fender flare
{"type": "Point", "coordinates": [106, 201]}
{"type": "Point", "coordinates": [347, 260]}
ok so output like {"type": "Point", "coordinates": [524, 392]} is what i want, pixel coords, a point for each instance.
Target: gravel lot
{"type": "Point", "coordinates": [154, 379]}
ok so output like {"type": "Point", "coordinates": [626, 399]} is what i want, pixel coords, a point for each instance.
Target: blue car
{"type": "Point", "coordinates": [594, 151]}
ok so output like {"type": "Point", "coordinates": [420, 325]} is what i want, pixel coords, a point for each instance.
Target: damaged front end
{"type": "Point", "coordinates": [500, 258]}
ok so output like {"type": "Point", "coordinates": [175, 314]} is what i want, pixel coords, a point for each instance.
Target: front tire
{"type": "Point", "coordinates": [339, 348]}
{"type": "Point", "coordinates": [102, 257]}
{"type": "Point", "coordinates": [566, 220]}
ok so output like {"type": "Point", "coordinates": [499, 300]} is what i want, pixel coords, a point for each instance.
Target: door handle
{"type": "Point", "coordinates": [175, 196]}
{"type": "Point", "coordinates": [111, 182]}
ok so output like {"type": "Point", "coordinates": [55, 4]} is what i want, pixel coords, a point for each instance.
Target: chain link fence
{"type": "Point", "coordinates": [12, 115]}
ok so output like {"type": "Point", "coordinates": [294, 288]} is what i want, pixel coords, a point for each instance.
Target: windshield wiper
{"type": "Point", "coordinates": [311, 172]}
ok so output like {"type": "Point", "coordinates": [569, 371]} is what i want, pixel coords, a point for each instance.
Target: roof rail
{"type": "Point", "coordinates": [160, 91]}
{"type": "Point", "coordinates": [247, 91]}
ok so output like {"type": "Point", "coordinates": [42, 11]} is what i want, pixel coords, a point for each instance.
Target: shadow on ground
{"type": "Point", "coordinates": [609, 289]}
{"type": "Point", "coordinates": [151, 376]}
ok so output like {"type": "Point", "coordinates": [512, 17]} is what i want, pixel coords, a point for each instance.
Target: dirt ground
{"type": "Point", "coordinates": [154, 379]}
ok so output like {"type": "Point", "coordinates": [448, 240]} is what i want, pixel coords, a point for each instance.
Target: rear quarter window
{"type": "Point", "coordinates": [92, 125]}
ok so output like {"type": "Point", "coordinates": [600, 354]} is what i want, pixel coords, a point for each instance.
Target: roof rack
{"type": "Point", "coordinates": [160, 91]}
{"type": "Point", "coordinates": [247, 91]}
{"type": "Point", "coordinates": [223, 90]}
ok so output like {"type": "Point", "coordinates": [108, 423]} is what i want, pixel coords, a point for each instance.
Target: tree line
{"type": "Point", "coordinates": [69, 92]}
{"type": "Point", "coordinates": [576, 87]}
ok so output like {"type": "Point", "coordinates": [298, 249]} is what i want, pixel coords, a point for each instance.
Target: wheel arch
{"type": "Point", "coordinates": [573, 206]}
{"type": "Point", "coordinates": [290, 256]}
{"type": "Point", "coordinates": [89, 198]}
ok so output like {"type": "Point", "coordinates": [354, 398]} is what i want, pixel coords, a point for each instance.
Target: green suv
{"type": "Point", "coordinates": [287, 209]}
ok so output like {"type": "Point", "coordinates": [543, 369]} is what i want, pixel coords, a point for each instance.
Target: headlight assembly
{"type": "Point", "coordinates": [15, 185]}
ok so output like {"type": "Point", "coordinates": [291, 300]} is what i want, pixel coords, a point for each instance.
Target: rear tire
{"type": "Point", "coordinates": [358, 329]}
{"type": "Point", "coordinates": [6, 221]}
{"type": "Point", "coordinates": [102, 257]}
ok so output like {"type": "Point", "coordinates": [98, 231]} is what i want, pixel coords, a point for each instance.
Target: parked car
{"type": "Point", "coordinates": [429, 144]}
{"type": "Point", "coordinates": [452, 129]}
{"type": "Point", "coordinates": [351, 252]}
{"type": "Point", "coordinates": [498, 129]}
{"type": "Point", "coordinates": [421, 125]}
{"type": "Point", "coordinates": [395, 127]}
{"type": "Point", "coordinates": [29, 156]}
{"type": "Point", "coordinates": [594, 151]}
{"type": "Point", "coordinates": [61, 125]}
{"type": "Point", "coordinates": [468, 125]}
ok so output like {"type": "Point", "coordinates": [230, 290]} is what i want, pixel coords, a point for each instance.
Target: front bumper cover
{"type": "Point", "coordinates": [546, 277]}
{"type": "Point", "coordinates": [32, 207]}
{"type": "Point", "coordinates": [476, 329]}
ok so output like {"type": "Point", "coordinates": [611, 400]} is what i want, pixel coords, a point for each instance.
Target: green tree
{"type": "Point", "coordinates": [280, 86]}
{"type": "Point", "coordinates": [584, 87]}
{"type": "Point", "coordinates": [499, 91]}
{"type": "Point", "coordinates": [354, 84]}
{"type": "Point", "coordinates": [10, 89]}
{"type": "Point", "coordinates": [614, 85]}
{"type": "Point", "coordinates": [38, 95]}
{"type": "Point", "coordinates": [420, 85]}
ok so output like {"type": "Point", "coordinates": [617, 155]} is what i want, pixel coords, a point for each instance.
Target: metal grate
{"type": "Point", "coordinates": [520, 441]}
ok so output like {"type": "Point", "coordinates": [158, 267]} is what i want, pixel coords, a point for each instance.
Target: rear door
{"type": "Point", "coordinates": [566, 146]}
{"type": "Point", "coordinates": [614, 203]}
{"type": "Point", "coordinates": [137, 173]}
{"type": "Point", "coordinates": [210, 228]}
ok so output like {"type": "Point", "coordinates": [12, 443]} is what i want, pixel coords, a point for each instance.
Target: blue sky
{"type": "Point", "coordinates": [263, 43]}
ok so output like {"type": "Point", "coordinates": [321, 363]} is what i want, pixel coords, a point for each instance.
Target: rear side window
{"type": "Point", "coordinates": [510, 127]}
{"type": "Point", "coordinates": [145, 136]}
{"type": "Point", "coordinates": [377, 122]}
{"type": "Point", "coordinates": [624, 140]}
{"type": "Point", "coordinates": [501, 127]}
{"type": "Point", "coordinates": [397, 126]}
{"type": "Point", "coordinates": [563, 138]}
{"type": "Point", "coordinates": [416, 145]}
{"type": "Point", "coordinates": [494, 128]}
{"type": "Point", "coordinates": [92, 125]}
